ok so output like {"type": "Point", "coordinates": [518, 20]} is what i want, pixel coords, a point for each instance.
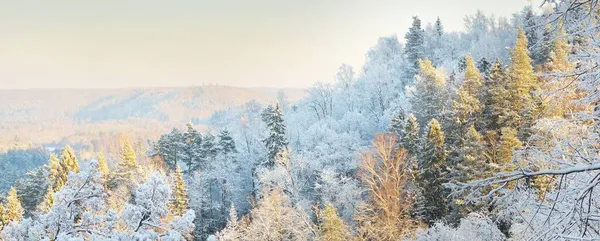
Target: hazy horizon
{"type": "Point", "coordinates": [262, 44]}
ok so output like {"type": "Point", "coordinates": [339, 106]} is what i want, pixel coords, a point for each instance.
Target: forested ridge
{"type": "Point", "coordinates": [486, 134]}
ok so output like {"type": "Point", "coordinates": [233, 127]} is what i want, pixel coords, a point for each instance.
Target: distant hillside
{"type": "Point", "coordinates": [43, 116]}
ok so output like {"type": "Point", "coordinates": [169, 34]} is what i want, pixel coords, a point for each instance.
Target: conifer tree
{"type": "Point", "coordinates": [397, 125]}
{"type": "Point", "coordinates": [410, 140]}
{"type": "Point", "coordinates": [499, 110]}
{"type": "Point", "coordinates": [180, 202]}
{"type": "Point", "coordinates": [429, 94]}
{"type": "Point", "coordinates": [193, 142]}
{"type": "Point", "coordinates": [226, 143]}
{"type": "Point", "coordinates": [431, 205]}
{"type": "Point", "coordinates": [56, 173]}
{"type": "Point", "coordinates": [467, 107]}
{"type": "Point", "coordinates": [439, 29]}
{"type": "Point", "coordinates": [3, 216]}
{"type": "Point", "coordinates": [47, 202]}
{"type": "Point", "coordinates": [275, 141]}
{"type": "Point", "coordinates": [128, 164]}
{"type": "Point", "coordinates": [103, 166]}
{"type": "Point", "coordinates": [559, 53]}
{"type": "Point", "coordinates": [484, 66]}
{"type": "Point", "coordinates": [508, 144]}
{"type": "Point", "coordinates": [208, 150]}
{"type": "Point", "coordinates": [414, 46]}
{"type": "Point", "coordinates": [332, 227]}
{"type": "Point", "coordinates": [68, 160]}
{"type": "Point", "coordinates": [14, 210]}
{"type": "Point", "coordinates": [472, 162]}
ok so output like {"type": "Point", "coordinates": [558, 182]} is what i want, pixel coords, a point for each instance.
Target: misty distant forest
{"type": "Point", "coordinates": [487, 134]}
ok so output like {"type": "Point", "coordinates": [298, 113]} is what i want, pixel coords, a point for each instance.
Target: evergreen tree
{"type": "Point", "coordinates": [48, 201]}
{"type": "Point", "coordinates": [180, 202]}
{"type": "Point", "coordinates": [414, 46]}
{"type": "Point", "coordinates": [397, 125]}
{"type": "Point", "coordinates": [439, 29]}
{"type": "Point", "coordinates": [103, 166]}
{"type": "Point", "coordinates": [545, 46]}
{"type": "Point", "coordinates": [128, 164]}
{"type": "Point", "coordinates": [208, 150]}
{"type": "Point", "coordinates": [3, 216]}
{"type": "Point", "coordinates": [499, 110]}
{"type": "Point", "coordinates": [559, 54]}
{"type": "Point", "coordinates": [56, 174]}
{"type": "Point", "coordinates": [193, 144]}
{"type": "Point", "coordinates": [467, 107]}
{"type": "Point", "coordinates": [429, 94]}
{"type": "Point", "coordinates": [32, 189]}
{"type": "Point", "coordinates": [275, 141]}
{"type": "Point", "coordinates": [332, 227]}
{"type": "Point", "coordinates": [68, 160]}
{"type": "Point", "coordinates": [410, 140]}
{"type": "Point", "coordinates": [484, 66]}
{"type": "Point", "coordinates": [226, 143]}
{"type": "Point", "coordinates": [14, 210]}
{"type": "Point", "coordinates": [472, 163]}
{"type": "Point", "coordinates": [431, 205]}
{"type": "Point", "coordinates": [508, 144]}
{"type": "Point", "coordinates": [530, 29]}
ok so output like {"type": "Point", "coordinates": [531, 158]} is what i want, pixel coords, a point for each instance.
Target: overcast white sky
{"type": "Point", "coordinates": [266, 43]}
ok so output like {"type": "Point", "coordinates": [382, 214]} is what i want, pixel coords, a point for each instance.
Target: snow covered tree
{"type": "Point", "coordinates": [467, 107]}
{"type": "Point", "coordinates": [127, 165]}
{"type": "Point", "coordinates": [508, 144]}
{"type": "Point", "coordinates": [56, 174]}
{"type": "Point", "coordinates": [32, 188]}
{"type": "Point", "coordinates": [431, 205]}
{"type": "Point", "coordinates": [208, 150]}
{"type": "Point", "coordinates": [192, 141]}
{"type": "Point", "coordinates": [331, 226]}
{"type": "Point", "coordinates": [428, 95]}
{"type": "Point", "coordinates": [68, 160]}
{"type": "Point", "coordinates": [14, 210]}
{"type": "Point", "coordinates": [103, 167]}
{"type": "Point", "coordinates": [410, 140]}
{"type": "Point", "coordinates": [275, 142]}
{"type": "Point", "coordinates": [179, 203]}
{"type": "Point", "coordinates": [414, 46]}
{"type": "Point", "coordinates": [498, 111]}
{"type": "Point", "coordinates": [226, 144]}
{"type": "Point", "coordinates": [385, 172]}
{"type": "Point", "coordinates": [397, 125]}
{"type": "Point", "coordinates": [48, 201]}
{"type": "Point", "coordinates": [471, 160]}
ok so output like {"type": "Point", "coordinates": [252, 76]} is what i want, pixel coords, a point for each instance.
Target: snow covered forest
{"type": "Point", "coordinates": [488, 134]}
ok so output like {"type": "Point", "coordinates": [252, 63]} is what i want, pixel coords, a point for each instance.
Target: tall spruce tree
{"type": "Point", "coordinates": [14, 210]}
{"type": "Point", "coordinates": [410, 140]}
{"type": "Point", "coordinates": [208, 150]}
{"type": "Point", "coordinates": [429, 94]}
{"type": "Point", "coordinates": [180, 202]}
{"type": "Point", "coordinates": [103, 167]}
{"type": "Point", "coordinates": [226, 144]}
{"type": "Point", "coordinates": [276, 141]}
{"type": "Point", "coordinates": [68, 160]}
{"type": "Point", "coordinates": [431, 205]}
{"type": "Point", "coordinates": [193, 143]}
{"type": "Point", "coordinates": [414, 46]}
{"type": "Point", "coordinates": [397, 125]}
{"type": "Point", "coordinates": [472, 163]}
{"type": "Point", "coordinates": [48, 201]}
{"type": "Point", "coordinates": [56, 173]}
{"type": "Point", "coordinates": [467, 107]}
{"type": "Point", "coordinates": [128, 163]}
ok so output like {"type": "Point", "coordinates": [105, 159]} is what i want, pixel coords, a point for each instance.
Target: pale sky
{"type": "Point", "coordinates": [252, 43]}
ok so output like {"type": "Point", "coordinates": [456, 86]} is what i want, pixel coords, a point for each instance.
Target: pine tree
{"type": "Point", "coordinates": [56, 174]}
{"type": "Point", "coordinates": [530, 29]}
{"type": "Point", "coordinates": [180, 202]}
{"type": "Point", "coordinates": [524, 85]}
{"type": "Point", "coordinates": [439, 29]}
{"type": "Point", "coordinates": [68, 160]}
{"type": "Point", "coordinates": [226, 143]}
{"type": "Point", "coordinates": [332, 227]}
{"type": "Point", "coordinates": [3, 216]}
{"type": "Point", "coordinates": [432, 160]}
{"type": "Point", "coordinates": [208, 149]}
{"type": "Point", "coordinates": [14, 209]}
{"type": "Point", "coordinates": [508, 144]}
{"type": "Point", "coordinates": [414, 46]}
{"type": "Point", "coordinates": [559, 54]}
{"type": "Point", "coordinates": [128, 164]}
{"type": "Point", "coordinates": [275, 141]}
{"type": "Point", "coordinates": [47, 202]}
{"type": "Point", "coordinates": [410, 140]}
{"type": "Point", "coordinates": [545, 46]}
{"type": "Point", "coordinates": [429, 95]}
{"type": "Point", "coordinates": [32, 188]}
{"type": "Point", "coordinates": [484, 66]}
{"type": "Point", "coordinates": [499, 110]}
{"type": "Point", "coordinates": [397, 125]}
{"type": "Point", "coordinates": [103, 166]}
{"type": "Point", "coordinates": [472, 162]}
{"type": "Point", "coordinates": [193, 142]}
{"type": "Point", "coordinates": [467, 107]}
